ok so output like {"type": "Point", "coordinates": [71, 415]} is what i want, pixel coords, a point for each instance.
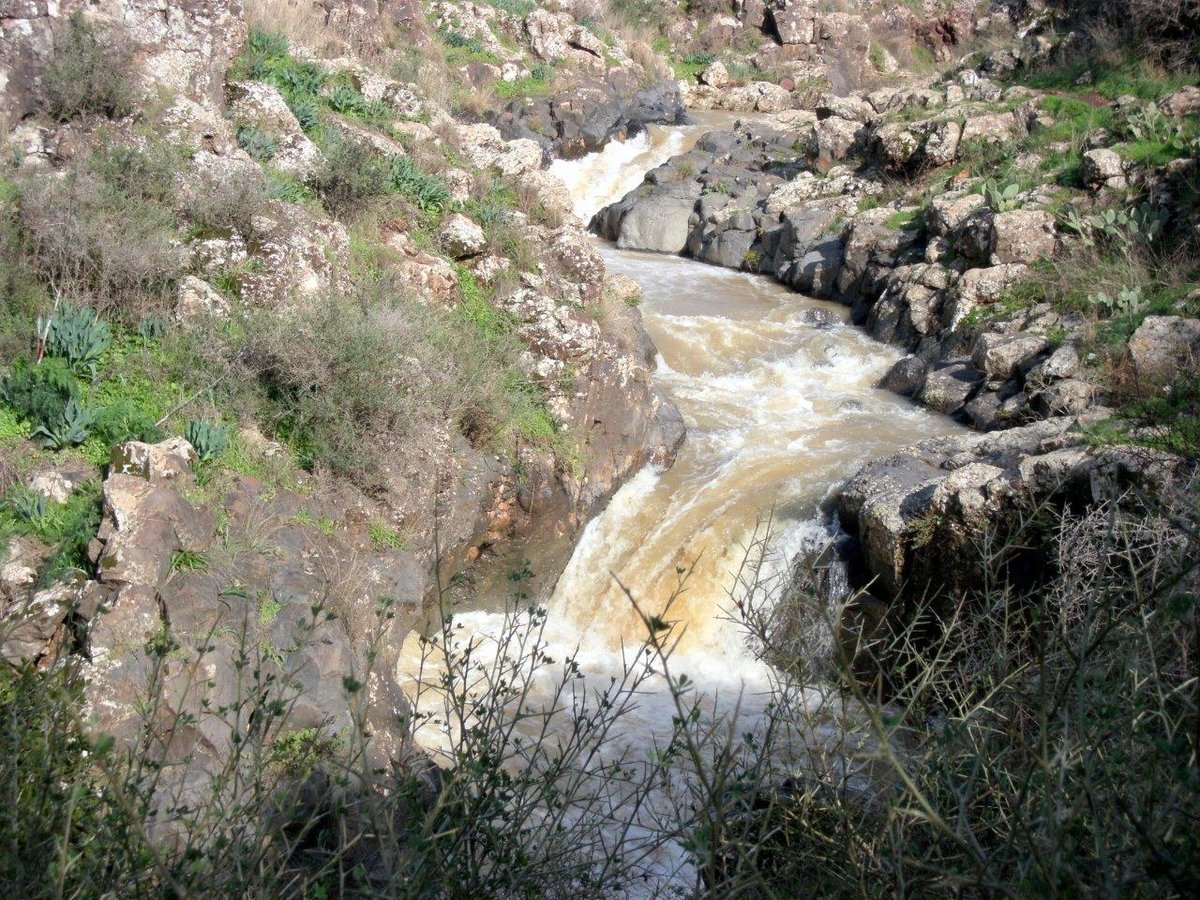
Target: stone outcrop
{"type": "Point", "coordinates": [184, 47]}
{"type": "Point", "coordinates": [582, 119]}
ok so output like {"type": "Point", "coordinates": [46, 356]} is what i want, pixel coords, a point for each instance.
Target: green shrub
{"type": "Point", "coordinates": [123, 421]}
{"type": "Point", "coordinates": [352, 175]}
{"type": "Point", "coordinates": [89, 71]}
{"type": "Point", "coordinates": [71, 427]}
{"type": "Point", "coordinates": [307, 113]}
{"type": "Point", "coordinates": [266, 58]}
{"type": "Point", "coordinates": [27, 507]}
{"type": "Point", "coordinates": [39, 394]}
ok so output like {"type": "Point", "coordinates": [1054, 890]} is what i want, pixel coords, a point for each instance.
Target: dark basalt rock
{"type": "Point", "coordinates": [583, 119]}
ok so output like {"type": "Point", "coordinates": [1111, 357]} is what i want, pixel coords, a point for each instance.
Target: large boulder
{"type": "Point", "coordinates": [837, 138]}
{"type": "Point", "coordinates": [1023, 236]}
{"type": "Point", "coordinates": [949, 385]}
{"type": "Point", "coordinates": [461, 238]}
{"type": "Point", "coordinates": [1103, 168]}
{"type": "Point", "coordinates": [1163, 346]}
{"type": "Point", "coordinates": [794, 21]}
{"type": "Point", "coordinates": [1002, 356]}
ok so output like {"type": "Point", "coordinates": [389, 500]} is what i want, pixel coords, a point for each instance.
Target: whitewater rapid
{"type": "Point", "coordinates": [777, 393]}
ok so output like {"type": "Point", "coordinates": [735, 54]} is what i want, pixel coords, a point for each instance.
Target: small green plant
{"type": "Point", "coordinates": [429, 193]}
{"type": "Point", "coordinates": [1127, 228]}
{"type": "Point", "coordinates": [1125, 305]}
{"type": "Point", "coordinates": [260, 145]}
{"type": "Point", "coordinates": [27, 506]}
{"type": "Point", "coordinates": [153, 327]}
{"type": "Point", "coordinates": [268, 609]}
{"type": "Point", "coordinates": [207, 438]}
{"type": "Point", "coordinates": [72, 427]}
{"type": "Point", "coordinates": [189, 561]}
{"type": "Point", "coordinates": [307, 113]}
{"type": "Point", "coordinates": [1002, 199]}
{"type": "Point", "coordinates": [284, 187]}
{"type": "Point", "coordinates": [385, 537]}
{"type": "Point", "coordinates": [78, 335]}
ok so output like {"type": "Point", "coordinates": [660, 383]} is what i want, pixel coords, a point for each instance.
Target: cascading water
{"type": "Point", "coordinates": [777, 394]}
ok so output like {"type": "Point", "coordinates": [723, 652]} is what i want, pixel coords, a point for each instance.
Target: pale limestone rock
{"type": "Point", "coordinates": [1103, 168]}
{"type": "Point", "coordinates": [462, 238]}
{"type": "Point", "coordinates": [165, 461]}
{"type": "Point", "coordinates": [1163, 346]}
{"type": "Point", "coordinates": [1023, 236]}
{"type": "Point", "coordinates": [196, 299]}
{"type": "Point", "coordinates": [263, 106]}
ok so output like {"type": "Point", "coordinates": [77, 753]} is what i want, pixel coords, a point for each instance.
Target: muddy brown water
{"type": "Point", "coordinates": [778, 396]}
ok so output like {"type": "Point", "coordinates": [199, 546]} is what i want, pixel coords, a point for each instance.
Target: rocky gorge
{"type": "Point", "coordinates": [310, 361]}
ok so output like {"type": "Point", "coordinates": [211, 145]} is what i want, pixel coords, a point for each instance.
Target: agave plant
{"type": "Point", "coordinates": [78, 335]}
{"type": "Point", "coordinates": [153, 327]}
{"type": "Point", "coordinates": [26, 505]}
{"type": "Point", "coordinates": [260, 145]}
{"type": "Point", "coordinates": [72, 427]}
{"type": "Point", "coordinates": [207, 438]}
{"type": "Point", "coordinates": [430, 194]}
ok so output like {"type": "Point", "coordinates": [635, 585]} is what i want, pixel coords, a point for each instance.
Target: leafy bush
{"type": "Point", "coordinates": [71, 427]}
{"type": "Point", "coordinates": [307, 113]}
{"type": "Point", "coordinates": [27, 506]}
{"type": "Point", "coordinates": [350, 101]}
{"type": "Point", "coordinates": [39, 394]}
{"type": "Point", "coordinates": [89, 71]}
{"type": "Point", "coordinates": [351, 175]}
{"type": "Point", "coordinates": [78, 335]}
{"type": "Point", "coordinates": [266, 58]}
{"type": "Point", "coordinates": [124, 421]}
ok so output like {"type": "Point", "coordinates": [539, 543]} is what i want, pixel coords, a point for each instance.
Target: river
{"type": "Point", "coordinates": [778, 396]}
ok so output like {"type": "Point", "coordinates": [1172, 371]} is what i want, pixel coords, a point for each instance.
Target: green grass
{"type": "Point", "coordinates": [12, 429]}
{"type": "Point", "coordinates": [268, 609]}
{"type": "Point", "coordinates": [898, 220]}
{"type": "Point", "coordinates": [385, 537]}
{"type": "Point", "coordinates": [1111, 78]}
{"type": "Point", "coordinates": [693, 65]}
{"type": "Point", "coordinates": [1151, 152]}
{"type": "Point", "coordinates": [189, 561]}
{"type": "Point", "coordinates": [493, 325]}
{"type": "Point", "coordinates": [530, 86]}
